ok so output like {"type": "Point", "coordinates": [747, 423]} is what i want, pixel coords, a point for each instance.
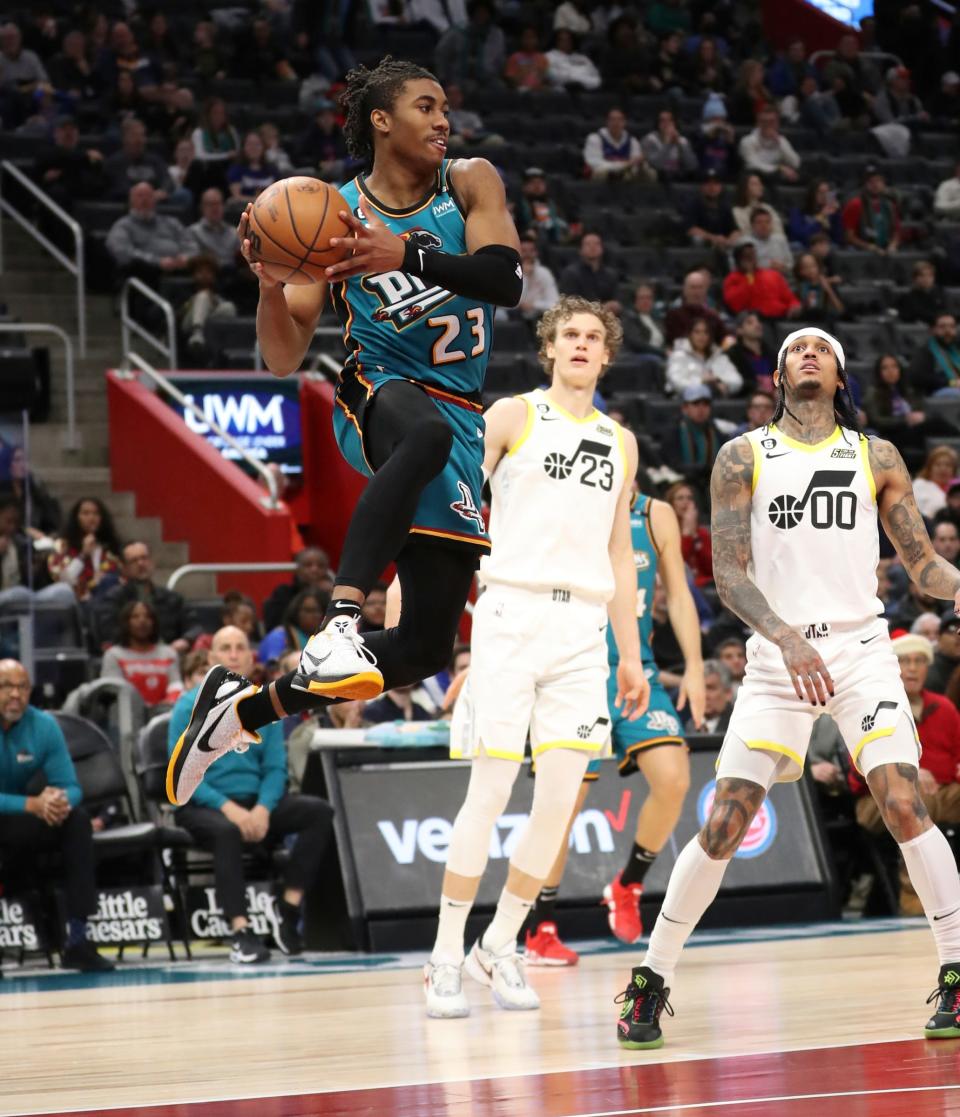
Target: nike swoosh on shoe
{"type": "Point", "coordinates": [202, 746]}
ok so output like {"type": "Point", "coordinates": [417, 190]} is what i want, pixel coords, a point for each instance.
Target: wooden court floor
{"type": "Point", "coordinates": [796, 1022]}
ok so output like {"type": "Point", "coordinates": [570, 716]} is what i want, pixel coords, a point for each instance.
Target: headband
{"type": "Point", "coordinates": [815, 331]}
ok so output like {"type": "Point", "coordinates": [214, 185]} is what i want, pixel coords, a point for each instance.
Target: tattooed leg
{"type": "Point", "coordinates": [734, 807]}
{"type": "Point", "coordinates": [895, 788]}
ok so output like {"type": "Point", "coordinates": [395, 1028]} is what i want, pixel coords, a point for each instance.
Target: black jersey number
{"type": "Point", "coordinates": [594, 465]}
{"type": "Point", "coordinates": [441, 353]}
{"type": "Point", "coordinates": [828, 509]}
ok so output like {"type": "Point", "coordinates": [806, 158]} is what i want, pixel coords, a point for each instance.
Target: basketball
{"type": "Point", "coordinates": [557, 466]}
{"type": "Point", "coordinates": [290, 227]}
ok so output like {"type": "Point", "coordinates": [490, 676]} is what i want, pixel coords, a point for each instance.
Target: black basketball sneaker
{"type": "Point", "coordinates": [945, 1022]}
{"type": "Point", "coordinates": [643, 1000]}
{"type": "Point", "coordinates": [214, 729]}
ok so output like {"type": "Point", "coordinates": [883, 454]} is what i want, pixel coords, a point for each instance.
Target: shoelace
{"type": "Point", "coordinates": [949, 997]}
{"type": "Point", "coordinates": [646, 1006]}
{"type": "Point", "coordinates": [445, 979]}
{"type": "Point", "coordinates": [359, 646]}
{"type": "Point", "coordinates": [511, 970]}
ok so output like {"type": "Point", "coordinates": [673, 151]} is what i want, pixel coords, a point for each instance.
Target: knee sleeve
{"type": "Point", "coordinates": [559, 775]}
{"type": "Point", "coordinates": [491, 781]}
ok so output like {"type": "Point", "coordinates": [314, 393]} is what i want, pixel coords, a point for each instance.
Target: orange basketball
{"type": "Point", "coordinates": [291, 224]}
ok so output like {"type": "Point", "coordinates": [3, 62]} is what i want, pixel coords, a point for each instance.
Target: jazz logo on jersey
{"type": "Point", "coordinates": [584, 731]}
{"type": "Point", "coordinates": [466, 508]}
{"type": "Point", "coordinates": [870, 720]}
{"type": "Point", "coordinates": [595, 456]}
{"type": "Point", "coordinates": [828, 508]}
{"type": "Point", "coordinates": [405, 299]}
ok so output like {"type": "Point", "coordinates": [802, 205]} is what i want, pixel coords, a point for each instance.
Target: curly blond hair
{"type": "Point", "coordinates": [563, 311]}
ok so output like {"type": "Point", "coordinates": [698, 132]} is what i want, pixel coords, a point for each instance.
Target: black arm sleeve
{"type": "Point", "coordinates": [492, 274]}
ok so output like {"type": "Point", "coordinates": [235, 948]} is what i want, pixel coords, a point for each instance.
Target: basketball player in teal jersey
{"type": "Point", "coordinates": [652, 744]}
{"type": "Point", "coordinates": [433, 250]}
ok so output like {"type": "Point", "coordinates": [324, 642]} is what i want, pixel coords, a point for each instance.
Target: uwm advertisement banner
{"type": "Point", "coordinates": [400, 819]}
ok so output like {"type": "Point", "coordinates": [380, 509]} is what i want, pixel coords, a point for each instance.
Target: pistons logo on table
{"type": "Point", "coordinates": [763, 829]}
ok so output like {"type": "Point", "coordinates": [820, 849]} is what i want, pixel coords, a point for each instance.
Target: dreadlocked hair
{"type": "Point", "coordinates": [843, 406]}
{"type": "Point", "coordinates": [367, 90]}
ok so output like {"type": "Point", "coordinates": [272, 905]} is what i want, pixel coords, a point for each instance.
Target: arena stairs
{"type": "Point", "coordinates": [35, 288]}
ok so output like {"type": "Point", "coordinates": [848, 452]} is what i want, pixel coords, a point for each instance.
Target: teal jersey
{"type": "Point", "coordinates": [645, 559]}
{"type": "Point", "coordinates": [397, 324]}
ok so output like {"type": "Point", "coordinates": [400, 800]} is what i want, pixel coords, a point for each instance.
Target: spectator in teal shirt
{"type": "Point", "coordinates": [31, 742]}
{"type": "Point", "coordinates": [243, 799]}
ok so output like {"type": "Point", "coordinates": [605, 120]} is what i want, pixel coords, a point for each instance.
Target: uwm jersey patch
{"type": "Point", "coordinates": [554, 497]}
{"type": "Point", "coordinates": [813, 527]}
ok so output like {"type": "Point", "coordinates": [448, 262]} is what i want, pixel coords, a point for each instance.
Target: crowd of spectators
{"type": "Point", "coordinates": [710, 189]}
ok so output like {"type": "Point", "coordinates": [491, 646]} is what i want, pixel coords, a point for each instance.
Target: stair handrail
{"type": "Point", "coordinates": [50, 328]}
{"type": "Point", "coordinates": [189, 568]}
{"type": "Point", "coordinates": [129, 325]}
{"type": "Point", "coordinates": [76, 267]}
{"type": "Point", "coordinates": [132, 358]}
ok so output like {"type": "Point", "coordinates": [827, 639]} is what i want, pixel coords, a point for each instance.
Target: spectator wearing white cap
{"type": "Point", "coordinates": [938, 727]}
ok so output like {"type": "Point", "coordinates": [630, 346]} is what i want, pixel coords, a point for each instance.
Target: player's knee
{"type": "Point", "coordinates": [671, 786]}
{"type": "Point", "coordinates": [903, 813]}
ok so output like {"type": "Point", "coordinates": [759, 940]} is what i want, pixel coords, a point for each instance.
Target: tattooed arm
{"type": "Point", "coordinates": [904, 525]}
{"type": "Point", "coordinates": [731, 494]}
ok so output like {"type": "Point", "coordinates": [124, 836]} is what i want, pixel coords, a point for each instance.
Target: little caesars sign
{"type": "Point", "coordinates": [125, 915]}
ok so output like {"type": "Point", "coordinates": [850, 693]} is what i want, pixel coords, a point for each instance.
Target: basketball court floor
{"type": "Point", "coordinates": [795, 1021]}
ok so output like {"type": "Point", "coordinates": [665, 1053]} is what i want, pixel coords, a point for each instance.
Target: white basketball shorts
{"type": "Point", "coordinates": [770, 727]}
{"type": "Point", "coordinates": [539, 663]}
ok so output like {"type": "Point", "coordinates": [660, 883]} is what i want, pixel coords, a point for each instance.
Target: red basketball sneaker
{"type": "Point", "coordinates": [544, 948]}
{"type": "Point", "coordinates": [623, 904]}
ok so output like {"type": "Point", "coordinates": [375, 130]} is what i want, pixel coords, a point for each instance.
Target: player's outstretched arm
{"type": "Point", "coordinates": [904, 525]}
{"type": "Point", "coordinates": [731, 493]}
{"type": "Point", "coordinates": [286, 316]}
{"type": "Point", "coordinates": [633, 689]}
{"type": "Point", "coordinates": [680, 607]}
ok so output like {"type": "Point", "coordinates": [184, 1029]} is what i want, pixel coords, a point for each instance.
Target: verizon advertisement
{"type": "Point", "coordinates": [401, 819]}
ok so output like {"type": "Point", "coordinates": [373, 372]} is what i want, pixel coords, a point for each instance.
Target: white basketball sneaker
{"type": "Point", "coordinates": [336, 662]}
{"type": "Point", "coordinates": [505, 975]}
{"type": "Point", "coordinates": [214, 729]}
{"type": "Point", "coordinates": [443, 989]}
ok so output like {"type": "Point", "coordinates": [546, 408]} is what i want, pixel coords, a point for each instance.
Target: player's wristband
{"type": "Point", "coordinates": [492, 274]}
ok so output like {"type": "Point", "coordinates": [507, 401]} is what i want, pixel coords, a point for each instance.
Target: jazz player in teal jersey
{"type": "Point", "coordinates": [433, 250]}
{"type": "Point", "coordinates": [653, 743]}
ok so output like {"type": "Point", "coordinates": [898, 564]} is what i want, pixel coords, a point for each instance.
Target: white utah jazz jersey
{"type": "Point", "coordinates": [814, 527]}
{"type": "Point", "coordinates": [554, 497]}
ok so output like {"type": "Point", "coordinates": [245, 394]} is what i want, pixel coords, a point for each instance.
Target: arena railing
{"type": "Point", "coordinates": [874, 55]}
{"type": "Point", "coordinates": [144, 367]}
{"type": "Point", "coordinates": [72, 442]}
{"type": "Point", "coordinates": [226, 568]}
{"type": "Point", "coordinates": [129, 325]}
{"type": "Point", "coordinates": [76, 267]}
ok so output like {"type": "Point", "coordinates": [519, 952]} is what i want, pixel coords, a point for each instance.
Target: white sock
{"type": "Point", "coordinates": [693, 887]}
{"type": "Point", "coordinates": [448, 949]}
{"type": "Point", "coordinates": [511, 911]}
{"type": "Point", "coordinates": [933, 874]}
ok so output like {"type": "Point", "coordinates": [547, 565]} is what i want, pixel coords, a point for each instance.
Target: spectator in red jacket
{"type": "Point", "coordinates": [938, 725]}
{"type": "Point", "coordinates": [763, 290]}
{"type": "Point", "coordinates": [695, 544]}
